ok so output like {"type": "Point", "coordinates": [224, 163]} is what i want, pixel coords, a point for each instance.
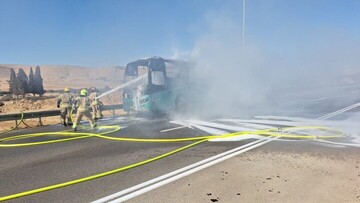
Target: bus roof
{"type": "Point", "coordinates": [154, 63]}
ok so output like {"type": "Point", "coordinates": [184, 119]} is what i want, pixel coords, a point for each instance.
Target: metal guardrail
{"type": "Point", "coordinates": [40, 114]}
{"type": "Point", "coordinates": [4, 93]}
{"type": "Point", "coordinates": [111, 107]}
{"type": "Point", "coordinates": [17, 116]}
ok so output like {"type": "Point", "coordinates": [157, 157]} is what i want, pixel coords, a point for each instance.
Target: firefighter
{"type": "Point", "coordinates": [82, 104]}
{"type": "Point", "coordinates": [95, 103]}
{"type": "Point", "coordinates": [65, 102]}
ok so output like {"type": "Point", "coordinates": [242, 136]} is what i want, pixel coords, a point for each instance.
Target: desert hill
{"type": "Point", "coordinates": [60, 76]}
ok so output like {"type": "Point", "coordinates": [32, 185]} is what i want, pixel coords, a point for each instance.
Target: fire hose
{"type": "Point", "coordinates": [273, 132]}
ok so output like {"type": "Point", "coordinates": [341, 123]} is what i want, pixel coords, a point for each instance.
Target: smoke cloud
{"type": "Point", "coordinates": [237, 80]}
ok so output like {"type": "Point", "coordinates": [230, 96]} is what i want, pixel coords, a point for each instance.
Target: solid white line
{"type": "Point", "coordinates": [160, 178]}
{"type": "Point", "coordinates": [339, 143]}
{"type": "Point", "coordinates": [170, 129]}
{"type": "Point", "coordinates": [272, 122]}
{"type": "Point", "coordinates": [186, 173]}
{"type": "Point", "coordinates": [339, 111]}
{"type": "Point", "coordinates": [287, 118]}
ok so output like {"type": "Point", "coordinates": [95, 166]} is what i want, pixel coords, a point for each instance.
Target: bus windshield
{"type": "Point", "coordinates": [157, 78]}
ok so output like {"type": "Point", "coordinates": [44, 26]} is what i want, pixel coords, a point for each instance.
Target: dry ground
{"type": "Point", "coordinates": [56, 77]}
{"type": "Point", "coordinates": [271, 174]}
{"type": "Point", "coordinates": [47, 102]}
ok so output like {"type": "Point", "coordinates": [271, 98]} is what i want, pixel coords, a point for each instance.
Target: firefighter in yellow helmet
{"type": "Point", "coordinates": [65, 102]}
{"type": "Point", "coordinates": [95, 103]}
{"type": "Point", "coordinates": [82, 104]}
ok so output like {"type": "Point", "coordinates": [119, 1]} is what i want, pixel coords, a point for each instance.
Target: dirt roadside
{"type": "Point", "coordinates": [272, 173]}
{"type": "Point", "coordinates": [46, 102]}
{"type": "Point", "coordinates": [57, 77]}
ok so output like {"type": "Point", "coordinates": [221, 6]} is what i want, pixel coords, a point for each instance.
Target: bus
{"type": "Point", "coordinates": [160, 86]}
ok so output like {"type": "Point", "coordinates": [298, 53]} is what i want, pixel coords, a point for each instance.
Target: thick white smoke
{"type": "Point", "coordinates": [247, 80]}
{"type": "Point", "coordinates": [227, 72]}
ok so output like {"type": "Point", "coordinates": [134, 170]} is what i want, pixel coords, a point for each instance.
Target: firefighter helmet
{"type": "Point", "coordinates": [83, 92]}
{"type": "Point", "coordinates": [93, 89]}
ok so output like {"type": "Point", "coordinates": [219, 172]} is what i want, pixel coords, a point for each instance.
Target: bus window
{"type": "Point", "coordinates": [158, 78]}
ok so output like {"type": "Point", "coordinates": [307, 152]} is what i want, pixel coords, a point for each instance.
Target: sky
{"type": "Point", "coordinates": [115, 32]}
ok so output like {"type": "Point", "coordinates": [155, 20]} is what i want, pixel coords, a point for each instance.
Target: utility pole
{"type": "Point", "coordinates": [243, 24]}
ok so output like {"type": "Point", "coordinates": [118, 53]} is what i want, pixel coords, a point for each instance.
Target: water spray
{"type": "Point", "coordinates": [122, 86]}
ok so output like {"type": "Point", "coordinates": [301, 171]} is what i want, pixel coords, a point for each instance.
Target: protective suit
{"type": "Point", "coordinates": [65, 102]}
{"type": "Point", "coordinates": [95, 104]}
{"type": "Point", "coordinates": [82, 104]}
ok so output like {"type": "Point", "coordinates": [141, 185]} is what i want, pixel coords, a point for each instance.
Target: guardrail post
{"type": "Point", "coordinates": [40, 123]}
{"type": "Point", "coordinates": [113, 112]}
{"type": "Point", "coordinates": [16, 125]}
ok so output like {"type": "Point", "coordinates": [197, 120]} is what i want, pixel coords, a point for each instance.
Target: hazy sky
{"type": "Point", "coordinates": [114, 32]}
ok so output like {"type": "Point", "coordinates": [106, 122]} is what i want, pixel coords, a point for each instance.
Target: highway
{"type": "Point", "coordinates": [27, 168]}
{"type": "Point", "coordinates": [32, 167]}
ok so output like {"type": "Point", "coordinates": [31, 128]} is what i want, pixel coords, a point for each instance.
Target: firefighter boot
{"type": "Point", "coordinates": [93, 126]}
{"type": "Point", "coordinates": [74, 127]}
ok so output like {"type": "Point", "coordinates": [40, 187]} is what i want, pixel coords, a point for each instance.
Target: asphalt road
{"type": "Point", "coordinates": [27, 168]}
{"type": "Point", "coordinates": [32, 167]}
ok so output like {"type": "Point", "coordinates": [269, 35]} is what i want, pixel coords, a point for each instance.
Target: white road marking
{"type": "Point", "coordinates": [180, 173]}
{"type": "Point", "coordinates": [171, 129]}
{"type": "Point", "coordinates": [339, 143]}
{"type": "Point", "coordinates": [182, 125]}
{"type": "Point", "coordinates": [272, 122]}
{"type": "Point", "coordinates": [252, 126]}
{"type": "Point", "coordinates": [210, 130]}
{"type": "Point", "coordinates": [175, 175]}
{"type": "Point", "coordinates": [237, 138]}
{"type": "Point", "coordinates": [218, 125]}
{"type": "Point", "coordinates": [339, 112]}
{"type": "Point", "coordinates": [319, 99]}
{"type": "Point", "coordinates": [286, 118]}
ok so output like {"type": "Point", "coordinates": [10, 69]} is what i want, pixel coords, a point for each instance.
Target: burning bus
{"type": "Point", "coordinates": [161, 86]}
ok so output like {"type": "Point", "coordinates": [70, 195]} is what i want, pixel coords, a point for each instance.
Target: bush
{"type": "Point", "coordinates": [39, 88]}
{"type": "Point", "coordinates": [31, 82]}
{"type": "Point", "coordinates": [21, 83]}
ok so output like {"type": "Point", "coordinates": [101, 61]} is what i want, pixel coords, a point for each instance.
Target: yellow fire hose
{"type": "Point", "coordinates": [80, 135]}
{"type": "Point", "coordinates": [17, 125]}
{"type": "Point", "coordinates": [284, 133]}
